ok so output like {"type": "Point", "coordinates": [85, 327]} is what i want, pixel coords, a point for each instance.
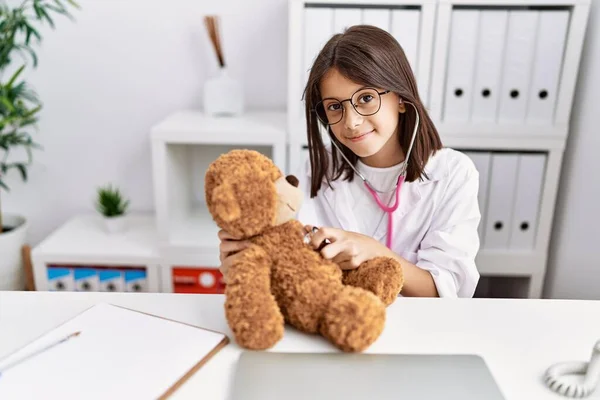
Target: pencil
{"type": "Point", "coordinates": [40, 351]}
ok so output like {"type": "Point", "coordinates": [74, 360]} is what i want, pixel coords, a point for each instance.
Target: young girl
{"type": "Point", "coordinates": [385, 186]}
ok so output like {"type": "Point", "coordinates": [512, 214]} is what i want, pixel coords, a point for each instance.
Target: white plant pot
{"type": "Point", "coordinates": [223, 95]}
{"type": "Point", "coordinates": [115, 224]}
{"type": "Point", "coordinates": [12, 274]}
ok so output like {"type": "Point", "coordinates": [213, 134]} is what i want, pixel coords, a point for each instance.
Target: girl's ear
{"type": "Point", "coordinates": [401, 107]}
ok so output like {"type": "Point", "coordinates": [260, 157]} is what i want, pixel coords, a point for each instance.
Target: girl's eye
{"type": "Point", "coordinates": [365, 98]}
{"type": "Point", "coordinates": [333, 107]}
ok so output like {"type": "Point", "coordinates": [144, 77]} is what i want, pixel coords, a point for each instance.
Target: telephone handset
{"type": "Point", "coordinates": [556, 380]}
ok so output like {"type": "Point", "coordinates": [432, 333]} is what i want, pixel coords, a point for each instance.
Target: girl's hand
{"type": "Point", "coordinates": [228, 249]}
{"type": "Point", "coordinates": [347, 249]}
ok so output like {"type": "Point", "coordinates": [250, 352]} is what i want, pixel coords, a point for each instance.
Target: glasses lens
{"type": "Point", "coordinates": [366, 101]}
{"type": "Point", "coordinates": [330, 111]}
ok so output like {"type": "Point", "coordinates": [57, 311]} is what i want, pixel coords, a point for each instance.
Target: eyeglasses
{"type": "Point", "coordinates": [365, 101]}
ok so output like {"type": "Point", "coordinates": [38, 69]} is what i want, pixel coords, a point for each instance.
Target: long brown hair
{"type": "Point", "coordinates": [371, 56]}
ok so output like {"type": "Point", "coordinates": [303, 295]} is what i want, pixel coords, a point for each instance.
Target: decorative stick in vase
{"type": "Point", "coordinates": [222, 95]}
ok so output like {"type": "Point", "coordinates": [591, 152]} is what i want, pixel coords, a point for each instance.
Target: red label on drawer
{"type": "Point", "coordinates": [197, 280]}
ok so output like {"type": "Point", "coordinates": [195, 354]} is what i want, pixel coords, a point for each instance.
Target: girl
{"type": "Point", "coordinates": [385, 186]}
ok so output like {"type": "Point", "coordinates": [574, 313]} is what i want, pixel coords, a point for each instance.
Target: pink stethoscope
{"type": "Point", "coordinates": [374, 192]}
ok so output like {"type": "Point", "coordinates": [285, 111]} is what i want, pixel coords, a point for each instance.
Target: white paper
{"type": "Point", "coordinates": [119, 354]}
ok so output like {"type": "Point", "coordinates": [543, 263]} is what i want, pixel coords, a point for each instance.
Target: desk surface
{"type": "Point", "coordinates": [518, 339]}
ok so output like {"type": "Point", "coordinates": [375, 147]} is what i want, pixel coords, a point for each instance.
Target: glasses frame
{"type": "Point", "coordinates": [384, 92]}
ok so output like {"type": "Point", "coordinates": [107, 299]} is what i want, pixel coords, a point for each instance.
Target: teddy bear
{"type": "Point", "coordinates": [279, 278]}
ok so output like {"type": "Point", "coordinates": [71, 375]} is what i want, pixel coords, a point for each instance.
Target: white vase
{"type": "Point", "coordinates": [12, 273]}
{"type": "Point", "coordinates": [223, 95]}
{"type": "Point", "coordinates": [115, 224]}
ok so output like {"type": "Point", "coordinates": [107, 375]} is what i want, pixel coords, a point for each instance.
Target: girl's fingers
{"type": "Point", "coordinates": [332, 250]}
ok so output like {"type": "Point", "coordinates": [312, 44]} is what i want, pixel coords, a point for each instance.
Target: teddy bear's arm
{"type": "Point", "coordinates": [251, 310]}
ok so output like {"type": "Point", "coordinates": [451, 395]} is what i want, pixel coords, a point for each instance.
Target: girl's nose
{"type": "Point", "coordinates": [292, 180]}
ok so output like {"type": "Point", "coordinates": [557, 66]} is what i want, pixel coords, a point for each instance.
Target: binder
{"type": "Point", "coordinates": [528, 193]}
{"type": "Point", "coordinates": [318, 29]}
{"type": "Point", "coordinates": [500, 200]}
{"type": "Point", "coordinates": [119, 353]}
{"type": "Point", "coordinates": [482, 161]}
{"type": "Point", "coordinates": [551, 38]}
{"type": "Point", "coordinates": [461, 63]}
{"type": "Point", "coordinates": [518, 60]}
{"type": "Point", "coordinates": [377, 17]}
{"type": "Point", "coordinates": [405, 27]}
{"type": "Point", "coordinates": [490, 49]}
{"type": "Point", "coordinates": [344, 18]}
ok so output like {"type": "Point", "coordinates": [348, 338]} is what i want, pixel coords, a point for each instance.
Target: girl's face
{"type": "Point", "coordinates": [373, 138]}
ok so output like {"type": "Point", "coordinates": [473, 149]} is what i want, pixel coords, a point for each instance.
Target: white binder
{"type": "Point", "coordinates": [482, 161]}
{"type": "Point", "coordinates": [318, 29]}
{"type": "Point", "coordinates": [461, 63]}
{"type": "Point", "coordinates": [551, 38]}
{"type": "Point", "coordinates": [490, 49]}
{"type": "Point", "coordinates": [500, 201]}
{"type": "Point", "coordinates": [343, 18]}
{"type": "Point", "coordinates": [516, 74]}
{"type": "Point", "coordinates": [405, 28]}
{"type": "Point", "coordinates": [377, 17]}
{"type": "Point", "coordinates": [528, 193]}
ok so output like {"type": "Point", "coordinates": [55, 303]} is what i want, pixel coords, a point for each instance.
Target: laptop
{"type": "Point", "coordinates": [328, 376]}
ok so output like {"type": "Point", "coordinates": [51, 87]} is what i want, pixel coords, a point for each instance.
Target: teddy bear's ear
{"type": "Point", "coordinates": [226, 204]}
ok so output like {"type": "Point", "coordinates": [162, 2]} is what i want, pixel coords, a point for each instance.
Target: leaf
{"type": "Point", "coordinates": [4, 185]}
{"type": "Point", "coordinates": [23, 170]}
{"type": "Point", "coordinates": [14, 77]}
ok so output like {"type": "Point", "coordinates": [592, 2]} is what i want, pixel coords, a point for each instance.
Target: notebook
{"type": "Point", "coordinates": [118, 353]}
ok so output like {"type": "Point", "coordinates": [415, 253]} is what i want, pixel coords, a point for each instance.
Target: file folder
{"type": "Point", "coordinates": [461, 65]}
{"type": "Point", "coordinates": [528, 193]}
{"type": "Point", "coordinates": [500, 201]}
{"type": "Point", "coordinates": [482, 161]}
{"type": "Point", "coordinates": [490, 49]}
{"type": "Point", "coordinates": [377, 17]}
{"type": "Point", "coordinates": [318, 29]}
{"type": "Point", "coordinates": [518, 60]}
{"type": "Point", "coordinates": [343, 18]}
{"type": "Point", "coordinates": [551, 38]}
{"type": "Point", "coordinates": [405, 27]}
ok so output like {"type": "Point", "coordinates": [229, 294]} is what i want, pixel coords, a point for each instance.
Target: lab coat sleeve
{"type": "Point", "coordinates": [449, 247]}
{"type": "Point", "coordinates": [310, 213]}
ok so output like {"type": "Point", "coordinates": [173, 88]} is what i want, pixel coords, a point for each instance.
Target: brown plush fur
{"type": "Point", "coordinates": [279, 279]}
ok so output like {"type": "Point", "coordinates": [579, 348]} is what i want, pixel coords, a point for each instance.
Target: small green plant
{"type": "Point", "coordinates": [110, 202]}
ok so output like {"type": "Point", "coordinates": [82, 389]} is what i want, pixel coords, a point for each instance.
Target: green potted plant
{"type": "Point", "coordinates": [112, 205]}
{"type": "Point", "coordinates": [19, 110]}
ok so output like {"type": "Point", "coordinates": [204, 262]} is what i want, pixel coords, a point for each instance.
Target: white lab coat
{"type": "Point", "coordinates": [435, 225]}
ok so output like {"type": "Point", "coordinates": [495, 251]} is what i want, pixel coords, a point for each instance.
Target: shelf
{"type": "Point", "coordinates": [192, 238]}
{"type": "Point", "coordinates": [509, 263]}
{"type": "Point", "coordinates": [84, 239]}
{"type": "Point", "coordinates": [194, 127]}
{"type": "Point", "coordinates": [538, 3]}
{"type": "Point", "coordinates": [504, 142]}
{"type": "Point", "coordinates": [369, 2]}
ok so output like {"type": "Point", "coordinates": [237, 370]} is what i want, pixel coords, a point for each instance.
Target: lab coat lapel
{"type": "Point", "coordinates": [410, 195]}
{"type": "Point", "coordinates": [338, 199]}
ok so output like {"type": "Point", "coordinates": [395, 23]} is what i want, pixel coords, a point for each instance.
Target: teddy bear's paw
{"type": "Point", "coordinates": [255, 328]}
{"type": "Point", "coordinates": [381, 276]}
{"type": "Point", "coordinates": [354, 319]}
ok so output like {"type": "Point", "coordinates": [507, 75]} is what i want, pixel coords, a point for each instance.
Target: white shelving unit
{"type": "Point", "coordinates": [498, 78]}
{"type": "Point", "coordinates": [79, 254]}
{"type": "Point", "coordinates": [183, 146]}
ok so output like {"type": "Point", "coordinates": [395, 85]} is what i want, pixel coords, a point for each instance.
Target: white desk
{"type": "Point", "coordinates": [519, 339]}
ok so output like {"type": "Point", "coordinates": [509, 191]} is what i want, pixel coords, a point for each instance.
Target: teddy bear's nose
{"type": "Point", "coordinates": [292, 180]}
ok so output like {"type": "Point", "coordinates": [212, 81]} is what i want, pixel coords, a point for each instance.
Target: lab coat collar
{"type": "Point", "coordinates": [338, 197]}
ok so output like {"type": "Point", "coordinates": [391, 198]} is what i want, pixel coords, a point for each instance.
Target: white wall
{"type": "Point", "coordinates": [118, 69]}
{"type": "Point", "coordinates": [574, 268]}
